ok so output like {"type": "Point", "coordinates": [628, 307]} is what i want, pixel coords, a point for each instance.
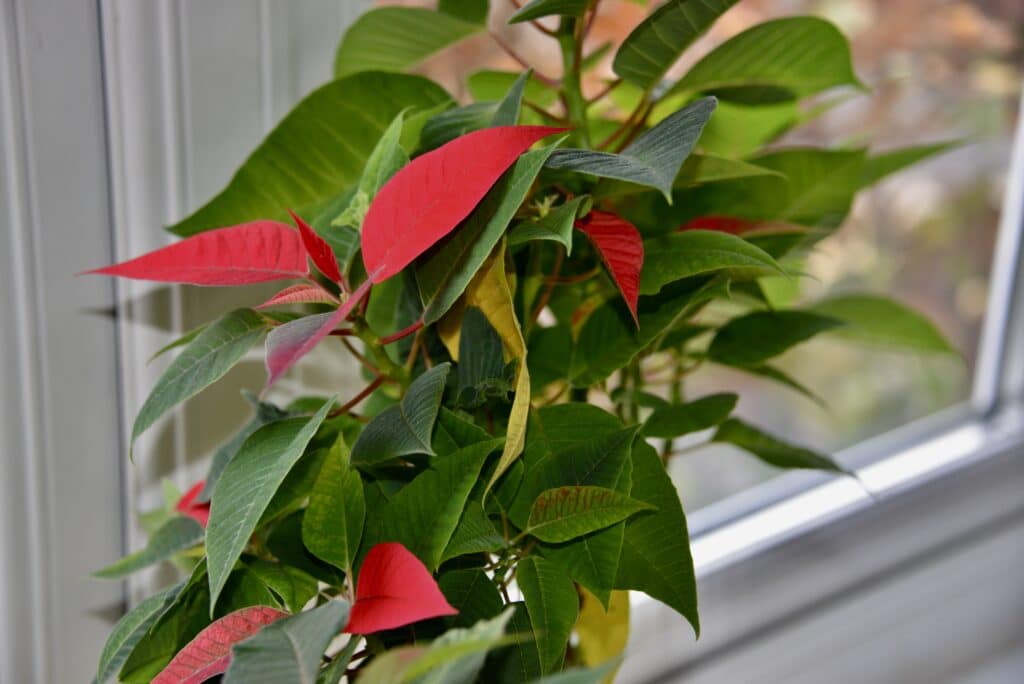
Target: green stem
{"type": "Point", "coordinates": [570, 40]}
{"type": "Point", "coordinates": [380, 357]}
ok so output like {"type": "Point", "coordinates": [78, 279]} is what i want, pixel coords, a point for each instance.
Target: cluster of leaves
{"type": "Point", "coordinates": [527, 280]}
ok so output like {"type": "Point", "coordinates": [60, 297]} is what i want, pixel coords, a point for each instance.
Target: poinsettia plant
{"type": "Point", "coordinates": [527, 280]}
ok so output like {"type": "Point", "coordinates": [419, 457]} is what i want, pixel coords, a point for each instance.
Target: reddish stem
{"type": "Point", "coordinates": [405, 332]}
{"type": "Point", "coordinates": [354, 401]}
{"type": "Point", "coordinates": [511, 52]}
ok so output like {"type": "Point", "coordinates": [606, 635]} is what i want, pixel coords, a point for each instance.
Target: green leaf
{"type": "Point", "coordinates": [481, 364]}
{"type": "Point", "coordinates": [775, 61]}
{"type": "Point", "coordinates": [507, 113]}
{"type": "Point", "coordinates": [597, 456]}
{"type": "Point", "coordinates": [552, 603]}
{"type": "Point", "coordinates": [247, 487]}
{"type": "Point", "coordinates": [178, 342]}
{"type": "Point", "coordinates": [545, 8]}
{"type": "Point", "coordinates": [878, 166]}
{"type": "Point", "coordinates": [770, 449]}
{"type": "Point", "coordinates": [397, 38]}
{"type": "Point", "coordinates": [335, 671]}
{"type": "Point", "coordinates": [772, 373]}
{"type": "Point", "coordinates": [737, 131]}
{"type": "Point", "coordinates": [455, 657]}
{"type": "Point", "coordinates": [653, 159]}
{"type": "Point", "coordinates": [293, 586]}
{"type": "Point", "coordinates": [444, 273]}
{"type": "Point", "coordinates": [699, 169]}
{"type": "Point", "coordinates": [316, 151]}
{"type": "Point", "coordinates": [129, 630]}
{"type": "Point", "coordinates": [204, 361]}
{"type": "Point", "coordinates": [475, 533]}
{"type": "Point", "coordinates": [655, 45]}
{"type": "Point", "coordinates": [675, 420]}
{"type": "Point", "coordinates": [384, 161]}
{"type": "Point", "coordinates": [882, 321]}
{"type": "Point", "coordinates": [754, 338]}
{"type": "Point", "coordinates": [295, 490]}
{"type": "Point", "coordinates": [549, 356]}
{"type": "Point", "coordinates": [333, 524]}
{"type": "Point", "coordinates": [265, 413]}
{"type": "Point", "coordinates": [599, 460]}
{"type": "Point", "coordinates": [177, 534]}
{"type": "Point", "coordinates": [424, 514]}
{"type": "Point", "coordinates": [288, 650]}
{"type": "Point", "coordinates": [468, 10]}
{"type": "Point", "coordinates": [656, 549]}
{"type": "Point", "coordinates": [580, 675]}
{"type": "Point", "coordinates": [694, 252]}
{"type": "Point", "coordinates": [489, 86]}
{"type": "Point", "coordinates": [404, 429]}
{"type": "Point", "coordinates": [565, 513]}
{"type": "Point", "coordinates": [452, 123]}
{"type": "Point", "coordinates": [556, 225]}
{"type": "Point", "coordinates": [454, 432]}
{"type": "Point", "coordinates": [609, 339]}
{"type": "Point", "coordinates": [472, 593]}
{"type": "Point", "coordinates": [816, 188]}
{"type": "Point", "coordinates": [521, 662]}
{"type": "Point", "coordinates": [176, 625]}
{"type": "Point", "coordinates": [285, 542]}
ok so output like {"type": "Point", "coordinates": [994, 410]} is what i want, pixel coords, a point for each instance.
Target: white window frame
{"type": "Point", "coordinates": [781, 555]}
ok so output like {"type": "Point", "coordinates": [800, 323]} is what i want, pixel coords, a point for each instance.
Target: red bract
{"type": "Point", "coordinates": [200, 512]}
{"type": "Point", "coordinates": [238, 255]}
{"type": "Point", "coordinates": [303, 293]}
{"type": "Point", "coordinates": [394, 589]}
{"type": "Point", "coordinates": [723, 224]}
{"type": "Point", "coordinates": [209, 653]}
{"type": "Point", "coordinates": [318, 249]}
{"type": "Point", "coordinates": [288, 343]}
{"type": "Point", "coordinates": [621, 249]}
{"type": "Point", "coordinates": [428, 197]}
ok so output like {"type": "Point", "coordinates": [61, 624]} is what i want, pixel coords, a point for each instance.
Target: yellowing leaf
{"type": "Point", "coordinates": [603, 634]}
{"type": "Point", "coordinates": [490, 292]}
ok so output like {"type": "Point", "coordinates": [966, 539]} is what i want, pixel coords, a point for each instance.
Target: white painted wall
{"type": "Point", "coordinates": [116, 118]}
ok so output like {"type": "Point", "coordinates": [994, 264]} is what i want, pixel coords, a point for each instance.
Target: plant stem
{"type": "Point", "coordinates": [511, 52]}
{"type": "Point", "coordinates": [404, 332]}
{"type": "Point", "coordinates": [571, 42]}
{"type": "Point", "coordinates": [365, 392]}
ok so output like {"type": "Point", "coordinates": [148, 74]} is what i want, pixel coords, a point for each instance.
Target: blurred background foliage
{"type": "Point", "coordinates": [938, 70]}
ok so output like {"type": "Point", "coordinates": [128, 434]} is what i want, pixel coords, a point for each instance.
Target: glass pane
{"type": "Point", "coordinates": [938, 70]}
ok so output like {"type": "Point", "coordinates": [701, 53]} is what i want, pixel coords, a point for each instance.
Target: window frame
{"type": "Point", "coordinates": [934, 484]}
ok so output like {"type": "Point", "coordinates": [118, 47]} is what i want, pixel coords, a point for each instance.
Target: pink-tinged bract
{"type": "Point", "coordinates": [187, 505]}
{"type": "Point", "coordinates": [288, 343]}
{"type": "Point", "coordinates": [318, 249]}
{"type": "Point", "coordinates": [209, 653]}
{"type": "Point", "coordinates": [428, 197]}
{"type": "Point", "coordinates": [254, 252]}
{"type": "Point", "coordinates": [300, 293]}
{"type": "Point", "coordinates": [622, 250]}
{"type": "Point", "coordinates": [394, 589]}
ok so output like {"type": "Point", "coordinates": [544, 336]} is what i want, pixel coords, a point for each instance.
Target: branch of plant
{"type": "Point", "coordinates": [549, 287]}
{"type": "Point", "coordinates": [404, 332]}
{"type": "Point", "coordinates": [354, 401]}
{"type": "Point", "coordinates": [601, 94]}
{"type": "Point", "coordinates": [511, 52]}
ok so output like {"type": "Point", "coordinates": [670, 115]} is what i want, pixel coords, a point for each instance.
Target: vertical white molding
{"type": "Point", "coordinates": [24, 522]}
{"type": "Point", "coordinates": [60, 480]}
{"type": "Point", "coordinates": [192, 88]}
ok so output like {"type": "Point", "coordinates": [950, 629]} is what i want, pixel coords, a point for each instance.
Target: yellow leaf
{"type": "Point", "coordinates": [603, 634]}
{"type": "Point", "coordinates": [489, 291]}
